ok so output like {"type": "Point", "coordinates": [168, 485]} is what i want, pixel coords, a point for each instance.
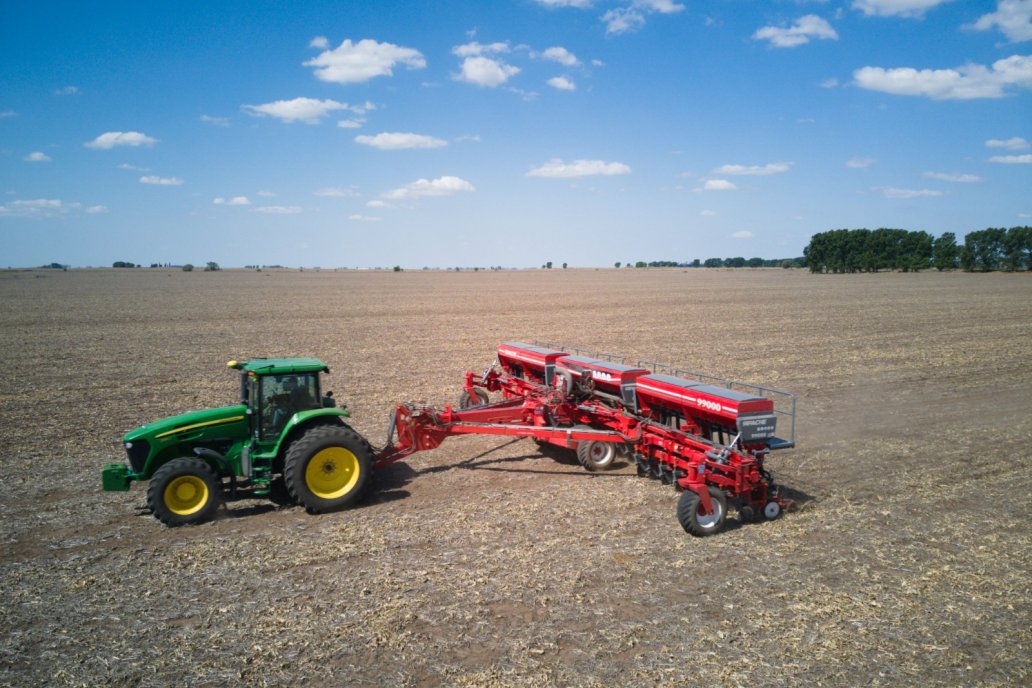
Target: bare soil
{"type": "Point", "coordinates": [487, 563]}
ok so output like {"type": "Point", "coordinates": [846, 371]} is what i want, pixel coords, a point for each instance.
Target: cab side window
{"type": "Point", "coordinates": [284, 395]}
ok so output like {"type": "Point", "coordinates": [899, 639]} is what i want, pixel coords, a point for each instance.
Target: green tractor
{"type": "Point", "coordinates": [283, 435]}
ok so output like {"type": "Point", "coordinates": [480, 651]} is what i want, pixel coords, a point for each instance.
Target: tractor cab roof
{"type": "Point", "coordinates": [280, 366]}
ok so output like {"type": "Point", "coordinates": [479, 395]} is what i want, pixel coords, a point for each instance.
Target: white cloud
{"type": "Point", "coordinates": [111, 139]}
{"type": "Point", "coordinates": [580, 4]}
{"type": "Point", "coordinates": [661, 6]}
{"type": "Point", "coordinates": [235, 200]}
{"type": "Point", "coordinates": [754, 170]}
{"type": "Point", "coordinates": [953, 177]}
{"type": "Point", "coordinates": [891, 192]}
{"type": "Point", "coordinates": [364, 218]}
{"type": "Point", "coordinates": [631, 17]}
{"type": "Point", "coordinates": [859, 163]}
{"type": "Point", "coordinates": [830, 82]}
{"type": "Point", "coordinates": [400, 140]}
{"type": "Point", "coordinates": [277, 209]}
{"type": "Point", "coordinates": [963, 83]}
{"type": "Point", "coordinates": [264, 193]}
{"type": "Point", "coordinates": [133, 168]}
{"type": "Point", "coordinates": [336, 192]}
{"type": "Point", "coordinates": [376, 203]}
{"type": "Point", "coordinates": [319, 42]}
{"type": "Point", "coordinates": [895, 8]}
{"type": "Point", "coordinates": [217, 121]}
{"type": "Point", "coordinates": [717, 185]}
{"type": "Point", "coordinates": [561, 83]}
{"type": "Point", "coordinates": [560, 55]}
{"type": "Point", "coordinates": [475, 138]}
{"type": "Point", "coordinates": [67, 91]}
{"type": "Point", "coordinates": [483, 71]}
{"type": "Point", "coordinates": [349, 124]}
{"type": "Point", "coordinates": [1012, 159]}
{"type": "Point", "coordinates": [308, 110]}
{"type": "Point", "coordinates": [97, 209]}
{"type": "Point", "coordinates": [806, 28]}
{"type": "Point", "coordinates": [1012, 17]}
{"type": "Point", "coordinates": [1015, 143]}
{"type": "Point", "coordinates": [442, 186]}
{"type": "Point", "coordinates": [37, 207]}
{"type": "Point", "coordinates": [8, 113]}
{"type": "Point", "coordinates": [161, 181]}
{"type": "Point", "coordinates": [579, 168]}
{"type": "Point", "coordinates": [623, 19]}
{"type": "Point", "coordinates": [708, 213]}
{"type": "Point", "coordinates": [351, 63]}
{"type": "Point", "coordinates": [743, 234]}
{"type": "Point", "coordinates": [473, 49]}
{"type": "Point", "coordinates": [37, 156]}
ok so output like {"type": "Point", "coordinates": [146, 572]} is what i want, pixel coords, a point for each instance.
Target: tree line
{"type": "Point", "coordinates": [864, 250]}
{"type": "Point", "coordinates": [736, 262]}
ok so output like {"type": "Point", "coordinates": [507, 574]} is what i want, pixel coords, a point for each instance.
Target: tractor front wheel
{"type": "Point", "coordinates": [184, 492]}
{"type": "Point", "coordinates": [689, 509]}
{"type": "Point", "coordinates": [328, 468]}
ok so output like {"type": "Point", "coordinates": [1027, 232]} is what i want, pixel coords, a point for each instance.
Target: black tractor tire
{"type": "Point", "coordinates": [184, 492]}
{"type": "Point", "coordinates": [596, 456]}
{"type": "Point", "coordinates": [465, 401]}
{"type": "Point", "coordinates": [697, 524]}
{"type": "Point", "coordinates": [329, 467]}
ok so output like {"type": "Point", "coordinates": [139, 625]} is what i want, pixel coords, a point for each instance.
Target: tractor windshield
{"type": "Point", "coordinates": [281, 396]}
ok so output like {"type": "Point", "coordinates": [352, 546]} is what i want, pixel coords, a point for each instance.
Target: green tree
{"type": "Point", "coordinates": [987, 246]}
{"type": "Point", "coordinates": [915, 251]}
{"type": "Point", "coordinates": [1016, 248]}
{"type": "Point", "coordinates": [616, 264]}
{"type": "Point", "coordinates": [944, 252]}
{"type": "Point", "coordinates": [188, 268]}
{"type": "Point", "coordinates": [564, 266]}
{"type": "Point", "coordinates": [548, 265]}
{"type": "Point", "coordinates": [212, 267]}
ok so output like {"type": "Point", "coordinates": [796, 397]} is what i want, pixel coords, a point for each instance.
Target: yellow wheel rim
{"type": "Point", "coordinates": [332, 473]}
{"type": "Point", "coordinates": [186, 495]}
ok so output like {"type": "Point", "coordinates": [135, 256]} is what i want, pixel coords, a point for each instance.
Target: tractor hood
{"type": "Point", "coordinates": [175, 427]}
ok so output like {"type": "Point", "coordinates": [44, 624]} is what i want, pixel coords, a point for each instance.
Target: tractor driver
{"type": "Point", "coordinates": [293, 398]}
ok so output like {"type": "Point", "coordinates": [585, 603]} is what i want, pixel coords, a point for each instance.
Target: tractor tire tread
{"type": "Point", "coordinates": [304, 448]}
{"type": "Point", "coordinates": [177, 468]}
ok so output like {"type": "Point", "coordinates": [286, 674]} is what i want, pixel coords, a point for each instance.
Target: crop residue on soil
{"type": "Point", "coordinates": [486, 562]}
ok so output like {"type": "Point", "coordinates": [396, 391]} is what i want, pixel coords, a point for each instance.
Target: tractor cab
{"type": "Point", "coordinates": [275, 389]}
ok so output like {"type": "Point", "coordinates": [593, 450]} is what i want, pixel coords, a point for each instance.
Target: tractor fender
{"type": "Point", "coordinates": [215, 460]}
{"type": "Point", "coordinates": [302, 419]}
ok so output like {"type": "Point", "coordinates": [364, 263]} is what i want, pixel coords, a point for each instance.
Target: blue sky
{"type": "Point", "coordinates": [503, 133]}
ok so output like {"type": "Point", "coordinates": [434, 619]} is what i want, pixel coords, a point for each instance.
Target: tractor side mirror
{"type": "Point", "coordinates": [328, 401]}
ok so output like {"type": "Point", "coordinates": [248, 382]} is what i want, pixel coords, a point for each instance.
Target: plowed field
{"type": "Point", "coordinates": [484, 562]}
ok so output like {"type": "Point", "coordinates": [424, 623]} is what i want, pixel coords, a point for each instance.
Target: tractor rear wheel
{"type": "Point", "coordinates": [184, 492]}
{"type": "Point", "coordinates": [596, 456]}
{"type": "Point", "coordinates": [466, 401]}
{"type": "Point", "coordinates": [328, 468]}
{"type": "Point", "coordinates": [689, 507]}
